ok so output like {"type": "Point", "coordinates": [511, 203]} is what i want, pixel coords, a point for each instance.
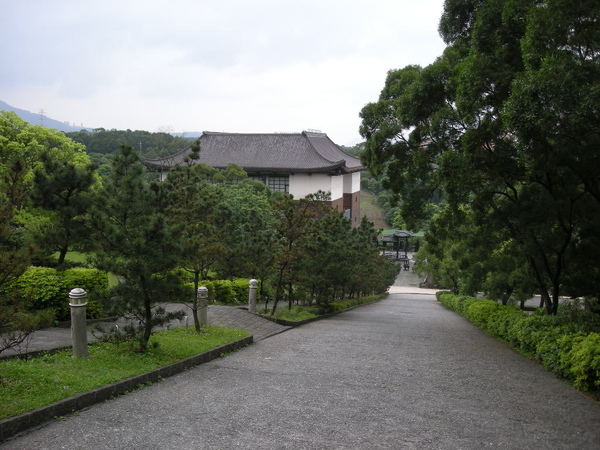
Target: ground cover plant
{"type": "Point", "coordinates": [29, 384]}
{"type": "Point", "coordinates": [567, 344]}
{"type": "Point", "coordinates": [298, 313]}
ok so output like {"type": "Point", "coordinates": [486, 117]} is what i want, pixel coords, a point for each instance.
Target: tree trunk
{"type": "Point", "coordinates": [62, 255]}
{"type": "Point", "coordinates": [195, 301]}
{"type": "Point", "coordinates": [147, 316]}
{"type": "Point", "coordinates": [277, 291]}
{"type": "Point", "coordinates": [147, 324]}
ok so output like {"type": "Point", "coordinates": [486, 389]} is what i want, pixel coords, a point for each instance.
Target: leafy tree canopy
{"type": "Point", "coordinates": [505, 121]}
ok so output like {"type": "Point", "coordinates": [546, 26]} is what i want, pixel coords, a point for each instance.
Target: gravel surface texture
{"type": "Point", "coordinates": [403, 373]}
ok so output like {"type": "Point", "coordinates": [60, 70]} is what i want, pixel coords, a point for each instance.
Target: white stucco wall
{"type": "Point", "coordinates": [356, 182]}
{"type": "Point", "coordinates": [302, 184]}
{"type": "Point", "coordinates": [351, 182]}
{"type": "Point", "coordinates": [337, 187]}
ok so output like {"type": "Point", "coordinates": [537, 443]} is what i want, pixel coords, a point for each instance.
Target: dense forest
{"type": "Point", "coordinates": [101, 144]}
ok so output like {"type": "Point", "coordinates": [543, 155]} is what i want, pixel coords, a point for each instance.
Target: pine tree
{"type": "Point", "coordinates": [132, 238]}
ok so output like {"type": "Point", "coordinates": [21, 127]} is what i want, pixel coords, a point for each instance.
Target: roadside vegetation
{"type": "Point", "coordinates": [300, 313]}
{"type": "Point", "coordinates": [29, 384]}
{"type": "Point", "coordinates": [492, 150]}
{"type": "Point", "coordinates": [141, 243]}
{"type": "Point", "coordinates": [567, 343]}
{"type": "Point", "coordinates": [501, 134]}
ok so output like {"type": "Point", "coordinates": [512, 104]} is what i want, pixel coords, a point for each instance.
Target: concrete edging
{"type": "Point", "coordinates": [13, 425]}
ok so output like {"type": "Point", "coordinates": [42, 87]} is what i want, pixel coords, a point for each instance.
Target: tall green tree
{"type": "Point", "coordinates": [131, 237]}
{"type": "Point", "coordinates": [371, 272]}
{"type": "Point", "coordinates": [21, 146]}
{"type": "Point", "coordinates": [250, 231]}
{"type": "Point", "coordinates": [492, 123]}
{"type": "Point", "coordinates": [15, 254]}
{"type": "Point", "coordinates": [328, 268]}
{"type": "Point", "coordinates": [64, 190]}
{"type": "Point", "coordinates": [290, 251]}
{"type": "Point", "coordinates": [196, 206]}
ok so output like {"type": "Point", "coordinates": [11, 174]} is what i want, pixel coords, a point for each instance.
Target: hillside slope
{"type": "Point", "coordinates": [370, 208]}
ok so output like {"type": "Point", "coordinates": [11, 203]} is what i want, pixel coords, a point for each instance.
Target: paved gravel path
{"type": "Point", "coordinates": [221, 316]}
{"type": "Point", "coordinates": [403, 373]}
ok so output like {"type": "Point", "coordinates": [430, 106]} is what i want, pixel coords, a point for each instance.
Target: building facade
{"type": "Point", "coordinates": [295, 163]}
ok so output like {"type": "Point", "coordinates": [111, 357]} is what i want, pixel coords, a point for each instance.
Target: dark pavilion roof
{"type": "Point", "coordinates": [308, 152]}
{"type": "Point", "coordinates": [396, 236]}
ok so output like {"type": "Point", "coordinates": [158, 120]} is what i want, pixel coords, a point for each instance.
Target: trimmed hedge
{"type": "Point", "coordinates": [567, 347]}
{"type": "Point", "coordinates": [45, 287]}
{"type": "Point", "coordinates": [228, 292]}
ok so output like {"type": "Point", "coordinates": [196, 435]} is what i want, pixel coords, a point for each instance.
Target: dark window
{"type": "Point", "coordinates": [280, 183]}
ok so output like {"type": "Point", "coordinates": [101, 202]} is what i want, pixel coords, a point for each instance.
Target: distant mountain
{"type": "Point", "coordinates": [39, 119]}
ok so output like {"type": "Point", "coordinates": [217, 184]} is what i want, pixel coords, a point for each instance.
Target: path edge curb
{"type": "Point", "coordinates": [14, 425]}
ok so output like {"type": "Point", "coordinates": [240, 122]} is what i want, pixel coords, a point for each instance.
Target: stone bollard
{"type": "Point", "coordinates": [203, 304]}
{"type": "Point", "coordinates": [78, 305]}
{"type": "Point", "coordinates": [252, 296]}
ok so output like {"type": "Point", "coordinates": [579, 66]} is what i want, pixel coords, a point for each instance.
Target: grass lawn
{"type": "Point", "coordinates": [296, 314]}
{"type": "Point", "coordinates": [26, 385]}
{"type": "Point", "coordinates": [74, 258]}
{"type": "Point", "coordinates": [299, 313]}
{"type": "Point", "coordinates": [370, 208]}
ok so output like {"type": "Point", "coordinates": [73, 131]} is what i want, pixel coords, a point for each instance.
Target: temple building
{"type": "Point", "coordinates": [295, 163]}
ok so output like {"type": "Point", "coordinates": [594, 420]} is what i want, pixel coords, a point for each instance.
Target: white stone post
{"type": "Point", "coordinates": [78, 305]}
{"type": "Point", "coordinates": [203, 303]}
{"type": "Point", "coordinates": [252, 295]}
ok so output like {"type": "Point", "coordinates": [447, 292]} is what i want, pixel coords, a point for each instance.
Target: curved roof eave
{"type": "Point", "coordinates": [327, 161]}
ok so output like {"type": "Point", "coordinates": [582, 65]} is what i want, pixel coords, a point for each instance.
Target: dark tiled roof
{"type": "Point", "coordinates": [282, 153]}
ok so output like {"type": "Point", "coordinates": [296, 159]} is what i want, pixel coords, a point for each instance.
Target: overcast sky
{"type": "Point", "coordinates": [195, 65]}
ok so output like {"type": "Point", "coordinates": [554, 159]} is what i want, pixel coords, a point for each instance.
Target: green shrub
{"type": "Point", "coordinates": [480, 312]}
{"type": "Point", "coordinates": [45, 287]}
{"type": "Point", "coordinates": [297, 313]}
{"type": "Point", "coordinates": [553, 348]}
{"type": "Point", "coordinates": [228, 292]}
{"type": "Point", "coordinates": [524, 334]}
{"type": "Point", "coordinates": [457, 303]}
{"type": "Point", "coordinates": [93, 281]}
{"type": "Point", "coordinates": [443, 296]}
{"type": "Point", "coordinates": [562, 343]}
{"type": "Point", "coordinates": [341, 305]}
{"type": "Point", "coordinates": [584, 362]}
{"type": "Point", "coordinates": [502, 321]}
{"type": "Point", "coordinates": [241, 288]}
{"type": "Point", "coordinates": [223, 292]}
